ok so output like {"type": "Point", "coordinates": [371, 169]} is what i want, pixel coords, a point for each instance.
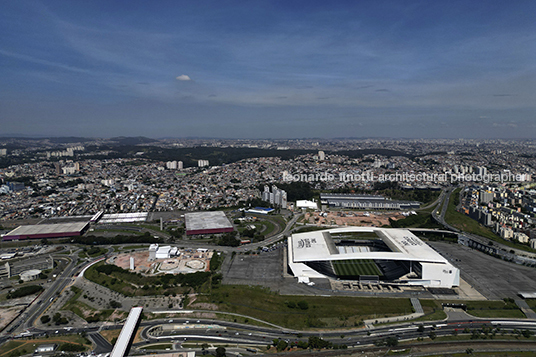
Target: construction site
{"type": "Point", "coordinates": [164, 261]}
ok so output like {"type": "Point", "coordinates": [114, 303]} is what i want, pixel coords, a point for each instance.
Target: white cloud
{"type": "Point", "coordinates": [183, 77]}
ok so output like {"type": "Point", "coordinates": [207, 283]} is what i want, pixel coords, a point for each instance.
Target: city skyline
{"type": "Point", "coordinates": [268, 69]}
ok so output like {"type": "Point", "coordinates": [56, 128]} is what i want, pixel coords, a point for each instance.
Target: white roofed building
{"type": "Point", "coordinates": [163, 252]}
{"type": "Point", "coordinates": [305, 204]}
{"type": "Point", "coordinates": [369, 253]}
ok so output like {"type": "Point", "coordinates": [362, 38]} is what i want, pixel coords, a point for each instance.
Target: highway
{"type": "Point", "coordinates": [221, 332]}
{"type": "Point", "coordinates": [216, 331]}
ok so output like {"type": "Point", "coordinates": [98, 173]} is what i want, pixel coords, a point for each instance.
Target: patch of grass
{"type": "Point", "coordinates": [486, 309]}
{"type": "Point", "coordinates": [109, 335]}
{"type": "Point", "coordinates": [464, 222]}
{"type": "Point", "coordinates": [419, 220]}
{"type": "Point", "coordinates": [136, 246]}
{"type": "Point", "coordinates": [490, 305]}
{"type": "Point", "coordinates": [531, 303]}
{"type": "Point", "coordinates": [18, 348]}
{"type": "Point", "coordinates": [280, 221]}
{"type": "Point", "coordinates": [433, 316]}
{"type": "Point", "coordinates": [326, 312]}
{"type": "Point", "coordinates": [514, 314]}
{"type": "Point", "coordinates": [491, 309]}
{"type": "Point", "coordinates": [433, 311]}
{"type": "Point", "coordinates": [92, 252]}
{"type": "Point", "coordinates": [136, 284]}
{"type": "Point", "coordinates": [352, 268]}
{"type": "Point", "coordinates": [269, 228]}
{"type": "Point", "coordinates": [148, 226]}
{"type": "Point", "coordinates": [105, 230]}
{"type": "Point", "coordinates": [77, 307]}
{"type": "Point", "coordinates": [10, 347]}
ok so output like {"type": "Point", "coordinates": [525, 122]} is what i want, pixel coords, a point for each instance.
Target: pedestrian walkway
{"type": "Point", "coordinates": [417, 305]}
{"type": "Point", "coordinates": [522, 304]}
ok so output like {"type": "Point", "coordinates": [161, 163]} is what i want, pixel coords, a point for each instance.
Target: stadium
{"type": "Point", "coordinates": [369, 254]}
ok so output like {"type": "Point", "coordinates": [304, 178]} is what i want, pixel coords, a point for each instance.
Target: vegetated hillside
{"type": "Point", "coordinates": [69, 139]}
{"type": "Point", "coordinates": [189, 156]}
{"type": "Point", "coordinates": [378, 151]}
{"type": "Point", "coordinates": [124, 140]}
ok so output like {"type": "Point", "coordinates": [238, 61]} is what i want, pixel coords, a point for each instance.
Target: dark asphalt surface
{"type": "Point", "coordinates": [492, 277]}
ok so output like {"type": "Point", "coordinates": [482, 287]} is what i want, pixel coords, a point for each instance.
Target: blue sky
{"type": "Point", "coordinates": [268, 69]}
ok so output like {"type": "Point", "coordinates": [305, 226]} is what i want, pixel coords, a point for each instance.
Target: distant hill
{"type": "Point", "coordinates": [69, 139]}
{"type": "Point", "coordinates": [363, 152]}
{"type": "Point", "coordinates": [124, 140]}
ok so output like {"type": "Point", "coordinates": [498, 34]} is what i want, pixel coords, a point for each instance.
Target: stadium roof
{"type": "Point", "coordinates": [404, 245]}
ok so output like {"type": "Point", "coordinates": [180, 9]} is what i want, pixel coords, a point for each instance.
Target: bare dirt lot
{"type": "Point", "coordinates": [188, 261]}
{"type": "Point", "coordinates": [352, 218]}
{"type": "Point", "coordinates": [8, 314]}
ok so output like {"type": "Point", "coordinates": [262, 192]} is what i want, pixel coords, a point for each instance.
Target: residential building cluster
{"type": "Point", "coordinates": [83, 185]}
{"type": "Point", "coordinates": [276, 197]}
{"type": "Point", "coordinates": [509, 211]}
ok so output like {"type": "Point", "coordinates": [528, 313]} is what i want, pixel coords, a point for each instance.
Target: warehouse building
{"type": "Point", "coordinates": [366, 202]}
{"type": "Point", "coordinates": [210, 222]}
{"type": "Point", "coordinates": [40, 231]}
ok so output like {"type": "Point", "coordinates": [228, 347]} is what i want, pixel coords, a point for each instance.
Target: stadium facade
{"type": "Point", "coordinates": [369, 254]}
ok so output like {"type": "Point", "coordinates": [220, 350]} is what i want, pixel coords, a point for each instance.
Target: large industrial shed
{"type": "Point", "coordinates": [41, 231]}
{"type": "Point", "coordinates": [211, 222]}
{"type": "Point", "coordinates": [369, 254]}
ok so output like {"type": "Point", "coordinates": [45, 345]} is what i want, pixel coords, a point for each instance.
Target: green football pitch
{"type": "Point", "coordinates": [356, 267]}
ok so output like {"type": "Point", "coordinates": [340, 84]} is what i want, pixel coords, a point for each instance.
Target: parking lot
{"type": "Point", "coordinates": [254, 268]}
{"type": "Point", "coordinates": [492, 277]}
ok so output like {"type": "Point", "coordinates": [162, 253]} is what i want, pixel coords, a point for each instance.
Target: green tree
{"type": "Point", "coordinates": [281, 345]}
{"type": "Point", "coordinates": [391, 341]}
{"type": "Point", "coordinates": [220, 352]}
{"type": "Point", "coordinates": [303, 305]}
{"type": "Point", "coordinates": [115, 304]}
